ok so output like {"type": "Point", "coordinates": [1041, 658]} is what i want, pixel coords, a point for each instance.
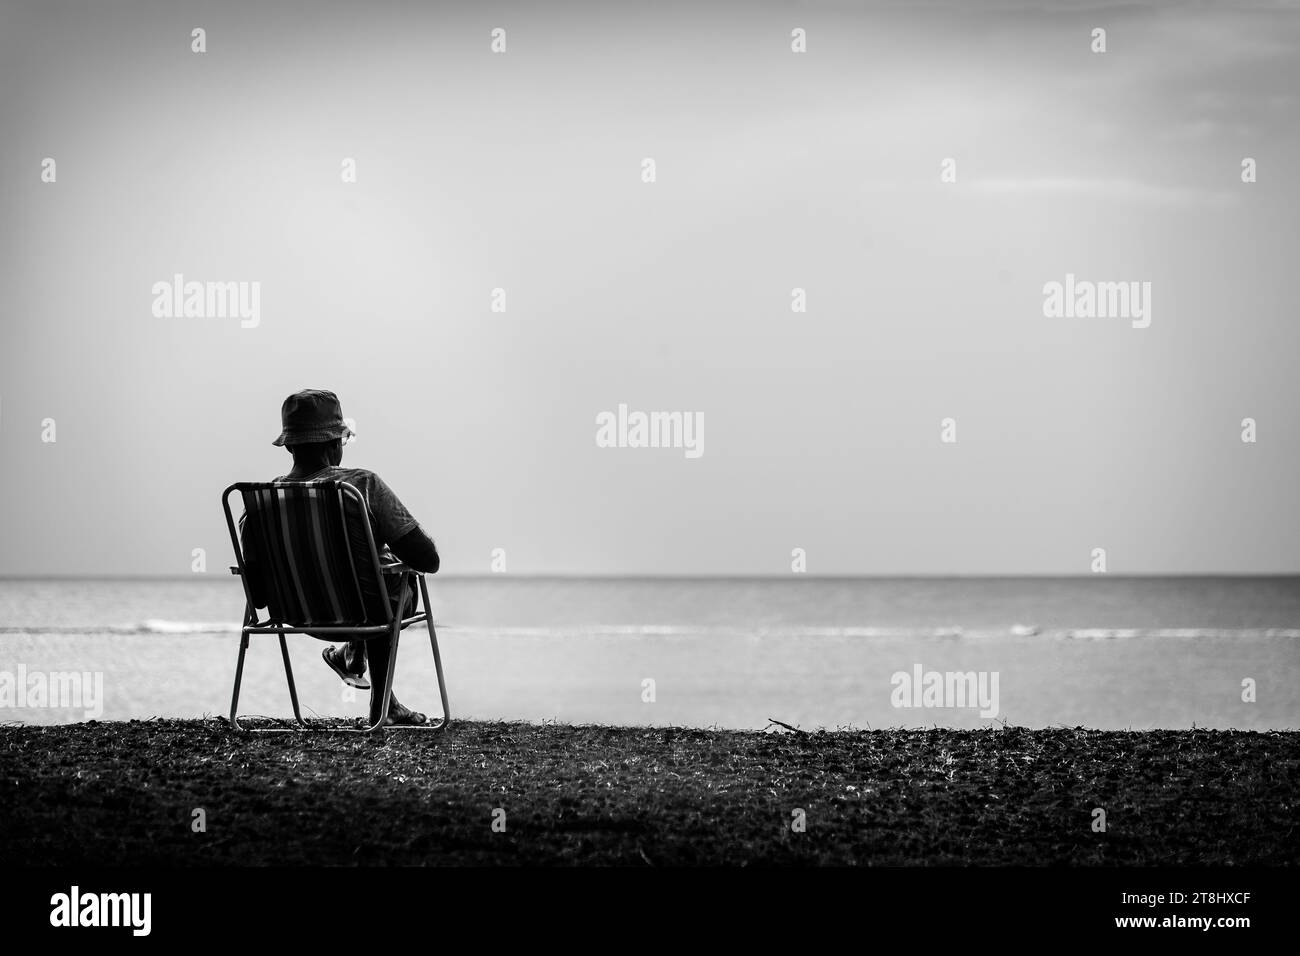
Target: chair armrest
{"type": "Point", "coordinates": [400, 568]}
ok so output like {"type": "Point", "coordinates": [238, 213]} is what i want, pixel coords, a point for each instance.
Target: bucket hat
{"type": "Point", "coordinates": [312, 415]}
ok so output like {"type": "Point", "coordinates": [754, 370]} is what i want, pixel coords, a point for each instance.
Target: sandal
{"type": "Point", "coordinates": [330, 654]}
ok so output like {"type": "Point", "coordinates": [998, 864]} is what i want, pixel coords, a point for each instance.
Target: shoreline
{"type": "Point", "coordinates": [126, 793]}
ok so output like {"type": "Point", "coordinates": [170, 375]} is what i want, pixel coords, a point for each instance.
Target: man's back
{"type": "Point", "coordinates": [390, 521]}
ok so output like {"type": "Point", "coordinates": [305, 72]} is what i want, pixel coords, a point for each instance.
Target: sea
{"type": "Point", "coordinates": [1099, 652]}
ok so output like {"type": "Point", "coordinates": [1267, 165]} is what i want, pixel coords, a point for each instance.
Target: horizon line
{"type": "Point", "coordinates": [768, 576]}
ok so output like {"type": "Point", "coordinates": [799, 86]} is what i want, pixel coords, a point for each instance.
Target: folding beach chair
{"type": "Point", "coordinates": [313, 550]}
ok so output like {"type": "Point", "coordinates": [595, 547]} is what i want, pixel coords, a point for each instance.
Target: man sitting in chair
{"type": "Point", "coordinates": [314, 431]}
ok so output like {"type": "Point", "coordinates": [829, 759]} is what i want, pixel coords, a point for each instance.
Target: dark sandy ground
{"type": "Point", "coordinates": [126, 793]}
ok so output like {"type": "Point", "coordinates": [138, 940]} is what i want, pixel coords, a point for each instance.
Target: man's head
{"type": "Point", "coordinates": [313, 428]}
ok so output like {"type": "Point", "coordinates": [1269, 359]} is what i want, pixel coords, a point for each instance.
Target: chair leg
{"type": "Point", "coordinates": [437, 657]}
{"type": "Point", "coordinates": [239, 676]}
{"type": "Point", "coordinates": [387, 690]}
{"type": "Point", "coordinates": [394, 637]}
{"type": "Point", "coordinates": [293, 690]}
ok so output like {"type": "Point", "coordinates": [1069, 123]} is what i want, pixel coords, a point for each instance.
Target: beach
{"type": "Point", "coordinates": [135, 793]}
{"type": "Point", "coordinates": [668, 722]}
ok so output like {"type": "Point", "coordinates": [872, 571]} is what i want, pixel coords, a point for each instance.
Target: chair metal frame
{"type": "Point", "coordinates": [392, 628]}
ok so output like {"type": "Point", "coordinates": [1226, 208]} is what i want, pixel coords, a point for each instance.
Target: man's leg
{"type": "Point", "coordinates": [349, 660]}
{"type": "Point", "coordinates": [402, 596]}
{"type": "Point", "coordinates": [377, 651]}
{"type": "Point", "coordinates": [354, 657]}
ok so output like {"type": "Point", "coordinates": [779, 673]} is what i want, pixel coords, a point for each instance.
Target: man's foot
{"type": "Point", "coordinates": [401, 715]}
{"type": "Point", "coordinates": [335, 660]}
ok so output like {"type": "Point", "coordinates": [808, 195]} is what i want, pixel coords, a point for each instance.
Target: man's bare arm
{"type": "Point", "coordinates": [417, 550]}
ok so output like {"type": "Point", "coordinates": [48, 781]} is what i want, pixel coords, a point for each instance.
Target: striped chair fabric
{"type": "Point", "coordinates": [308, 555]}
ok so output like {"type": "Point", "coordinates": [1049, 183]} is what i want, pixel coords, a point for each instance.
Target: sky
{"type": "Point", "coordinates": [524, 171]}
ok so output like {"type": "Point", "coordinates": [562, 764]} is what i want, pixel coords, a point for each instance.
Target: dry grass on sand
{"type": "Point", "coordinates": [124, 793]}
